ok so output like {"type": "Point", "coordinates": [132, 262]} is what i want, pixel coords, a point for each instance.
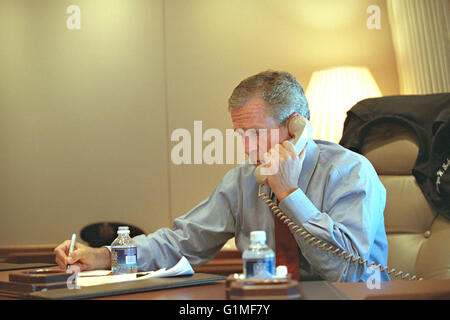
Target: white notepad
{"type": "Point", "coordinates": [98, 277]}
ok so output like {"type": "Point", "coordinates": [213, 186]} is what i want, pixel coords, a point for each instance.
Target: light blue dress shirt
{"type": "Point", "coordinates": [340, 200]}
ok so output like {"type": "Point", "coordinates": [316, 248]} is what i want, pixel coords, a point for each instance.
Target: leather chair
{"type": "Point", "coordinates": [418, 237]}
{"type": "Point", "coordinates": [103, 233]}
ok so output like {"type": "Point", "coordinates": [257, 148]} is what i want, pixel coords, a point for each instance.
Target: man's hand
{"type": "Point", "coordinates": [85, 257]}
{"type": "Point", "coordinates": [288, 166]}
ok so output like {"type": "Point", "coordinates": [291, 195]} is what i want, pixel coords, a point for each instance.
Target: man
{"type": "Point", "coordinates": [333, 193]}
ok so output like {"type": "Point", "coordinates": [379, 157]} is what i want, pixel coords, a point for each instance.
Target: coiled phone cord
{"type": "Point", "coordinates": [325, 245]}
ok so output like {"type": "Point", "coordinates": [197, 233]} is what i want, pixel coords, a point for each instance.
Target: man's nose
{"type": "Point", "coordinates": [251, 145]}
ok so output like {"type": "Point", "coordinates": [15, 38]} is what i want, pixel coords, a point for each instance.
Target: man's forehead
{"type": "Point", "coordinates": [249, 116]}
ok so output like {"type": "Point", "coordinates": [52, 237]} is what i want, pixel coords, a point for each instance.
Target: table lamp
{"type": "Point", "coordinates": [331, 93]}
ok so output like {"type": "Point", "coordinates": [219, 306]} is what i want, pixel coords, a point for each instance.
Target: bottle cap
{"type": "Point", "coordinates": [281, 272]}
{"type": "Point", "coordinates": [259, 236]}
{"type": "Point", "coordinates": [123, 229]}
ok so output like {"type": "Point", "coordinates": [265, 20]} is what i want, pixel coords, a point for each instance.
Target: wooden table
{"type": "Point", "coordinates": [315, 290]}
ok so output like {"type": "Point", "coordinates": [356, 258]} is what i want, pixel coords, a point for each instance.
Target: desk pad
{"type": "Point", "coordinates": [127, 287]}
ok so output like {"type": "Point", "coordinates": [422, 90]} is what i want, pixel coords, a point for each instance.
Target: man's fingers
{"type": "Point", "coordinates": [77, 258]}
{"type": "Point", "coordinates": [63, 247]}
{"type": "Point", "coordinates": [266, 157]}
{"type": "Point", "coordinates": [282, 152]}
{"type": "Point", "coordinates": [77, 267]}
{"type": "Point", "coordinates": [62, 250]}
{"type": "Point", "coordinates": [290, 148]}
{"type": "Point", "coordinates": [302, 154]}
{"type": "Point", "coordinates": [60, 263]}
{"type": "Point", "coordinates": [76, 255]}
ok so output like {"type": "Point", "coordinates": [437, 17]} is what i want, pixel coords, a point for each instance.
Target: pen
{"type": "Point", "coordinates": [72, 246]}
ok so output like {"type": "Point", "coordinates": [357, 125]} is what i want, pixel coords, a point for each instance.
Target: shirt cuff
{"type": "Point", "coordinates": [298, 206]}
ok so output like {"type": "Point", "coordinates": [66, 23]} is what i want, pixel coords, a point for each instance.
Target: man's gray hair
{"type": "Point", "coordinates": [281, 90]}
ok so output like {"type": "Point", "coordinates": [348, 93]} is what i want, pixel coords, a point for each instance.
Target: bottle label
{"type": "Point", "coordinates": [124, 257]}
{"type": "Point", "coordinates": [259, 268]}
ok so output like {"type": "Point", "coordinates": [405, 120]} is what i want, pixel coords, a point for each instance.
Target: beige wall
{"type": "Point", "coordinates": [86, 115]}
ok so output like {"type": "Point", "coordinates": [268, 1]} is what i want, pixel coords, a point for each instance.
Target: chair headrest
{"type": "Point", "coordinates": [391, 148]}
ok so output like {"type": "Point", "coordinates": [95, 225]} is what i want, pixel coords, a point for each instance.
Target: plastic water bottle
{"type": "Point", "coordinates": [123, 252]}
{"type": "Point", "coordinates": [258, 259]}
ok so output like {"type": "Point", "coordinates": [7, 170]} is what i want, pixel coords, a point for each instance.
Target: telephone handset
{"type": "Point", "coordinates": [298, 127]}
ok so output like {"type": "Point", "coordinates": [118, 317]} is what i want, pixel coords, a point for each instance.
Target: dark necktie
{"type": "Point", "coordinates": [286, 248]}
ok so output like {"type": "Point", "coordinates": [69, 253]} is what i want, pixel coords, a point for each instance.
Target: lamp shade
{"type": "Point", "coordinates": [331, 93]}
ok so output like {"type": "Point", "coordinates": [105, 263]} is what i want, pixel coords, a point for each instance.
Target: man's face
{"type": "Point", "coordinates": [249, 119]}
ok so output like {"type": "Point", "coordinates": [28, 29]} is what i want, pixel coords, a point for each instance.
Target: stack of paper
{"type": "Point", "coordinates": [97, 277]}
